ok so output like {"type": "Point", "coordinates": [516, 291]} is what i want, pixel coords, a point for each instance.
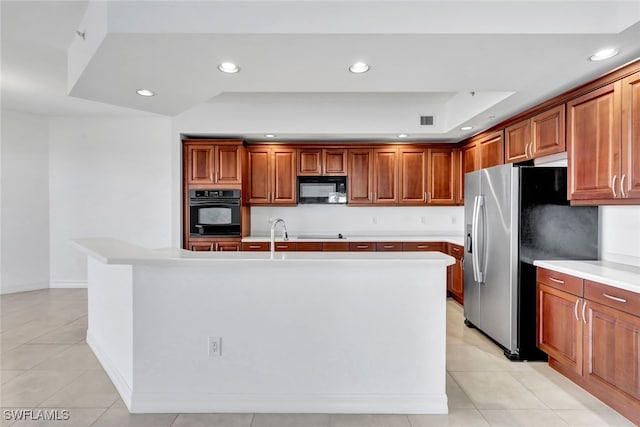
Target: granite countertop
{"type": "Point", "coordinates": [458, 240]}
{"type": "Point", "coordinates": [620, 276]}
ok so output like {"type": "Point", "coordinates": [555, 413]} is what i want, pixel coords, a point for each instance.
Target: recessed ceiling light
{"type": "Point", "coordinates": [402, 135]}
{"type": "Point", "coordinates": [603, 54]}
{"type": "Point", "coordinates": [269, 135]}
{"type": "Point", "coordinates": [228, 67]}
{"type": "Point", "coordinates": [359, 67]}
{"type": "Point", "coordinates": [145, 92]}
{"type": "Point", "coordinates": [466, 128]}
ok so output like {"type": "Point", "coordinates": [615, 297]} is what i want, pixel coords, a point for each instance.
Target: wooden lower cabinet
{"type": "Point", "coordinates": [214, 245]}
{"type": "Point", "coordinates": [594, 339]}
{"type": "Point", "coordinates": [455, 273]}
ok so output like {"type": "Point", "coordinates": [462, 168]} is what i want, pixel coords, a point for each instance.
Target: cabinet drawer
{"type": "Point", "coordinates": [456, 251]}
{"type": "Point", "coordinates": [362, 246]}
{"type": "Point", "coordinates": [309, 246]}
{"type": "Point", "coordinates": [389, 246]}
{"type": "Point", "coordinates": [423, 246]}
{"type": "Point", "coordinates": [335, 246]}
{"type": "Point", "coordinates": [610, 296]}
{"type": "Point", "coordinates": [561, 281]}
{"type": "Point", "coordinates": [255, 246]}
{"type": "Point", "coordinates": [285, 246]}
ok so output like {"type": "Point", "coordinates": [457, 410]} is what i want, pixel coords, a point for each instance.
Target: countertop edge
{"type": "Point", "coordinates": [621, 276]}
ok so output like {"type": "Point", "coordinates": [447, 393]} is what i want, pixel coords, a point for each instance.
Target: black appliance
{"type": "Point", "coordinates": [322, 189]}
{"type": "Point", "coordinates": [214, 213]}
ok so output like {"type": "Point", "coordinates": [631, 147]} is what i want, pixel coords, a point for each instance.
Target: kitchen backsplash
{"type": "Point", "coordinates": [333, 219]}
{"type": "Point", "coordinates": [620, 234]}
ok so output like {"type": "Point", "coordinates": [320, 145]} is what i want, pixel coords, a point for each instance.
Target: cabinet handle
{"type": "Point", "coordinates": [425, 197]}
{"type": "Point", "coordinates": [558, 281]}
{"type": "Point", "coordinates": [375, 195]}
{"type": "Point", "coordinates": [423, 246]}
{"type": "Point", "coordinates": [370, 196]}
{"type": "Point", "coordinates": [624, 175]}
{"type": "Point", "coordinates": [389, 246]}
{"type": "Point", "coordinates": [428, 196]}
{"type": "Point", "coordinates": [614, 298]}
{"type": "Point", "coordinates": [216, 248]}
{"type": "Point", "coordinates": [526, 150]}
{"type": "Point", "coordinates": [584, 317]}
{"type": "Point", "coordinates": [362, 246]}
{"type": "Point", "coordinates": [456, 249]}
{"type": "Point", "coordinates": [575, 309]}
{"type": "Point", "coordinates": [254, 246]}
{"type": "Point", "coordinates": [613, 186]}
{"type": "Point", "coordinates": [531, 150]}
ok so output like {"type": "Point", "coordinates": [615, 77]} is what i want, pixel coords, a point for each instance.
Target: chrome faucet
{"type": "Point", "coordinates": [285, 235]}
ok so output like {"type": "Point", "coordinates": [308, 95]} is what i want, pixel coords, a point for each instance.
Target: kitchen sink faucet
{"type": "Point", "coordinates": [285, 235]}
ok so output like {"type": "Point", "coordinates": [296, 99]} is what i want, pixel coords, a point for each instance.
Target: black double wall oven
{"type": "Point", "coordinates": [214, 212]}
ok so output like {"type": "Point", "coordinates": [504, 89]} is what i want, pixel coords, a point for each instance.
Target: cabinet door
{"type": "Point", "coordinates": [309, 161]}
{"type": "Point", "coordinates": [385, 175]}
{"type": "Point", "coordinates": [228, 246]}
{"type": "Point", "coordinates": [559, 328]}
{"type": "Point", "coordinates": [442, 174]}
{"type": "Point", "coordinates": [517, 141]}
{"type": "Point", "coordinates": [455, 284]}
{"type": "Point", "coordinates": [612, 349]}
{"type": "Point", "coordinates": [284, 176]}
{"type": "Point", "coordinates": [199, 164]}
{"type": "Point", "coordinates": [360, 176]}
{"type": "Point", "coordinates": [228, 164]}
{"type": "Point", "coordinates": [413, 176]}
{"type": "Point", "coordinates": [258, 188]}
{"type": "Point", "coordinates": [468, 163]}
{"type": "Point", "coordinates": [334, 161]}
{"type": "Point", "coordinates": [630, 180]}
{"type": "Point", "coordinates": [492, 150]}
{"type": "Point", "coordinates": [593, 135]}
{"type": "Point", "coordinates": [547, 132]}
{"type": "Point", "coordinates": [201, 246]}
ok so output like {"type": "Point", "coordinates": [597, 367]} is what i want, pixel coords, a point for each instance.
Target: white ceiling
{"type": "Point", "coordinates": [465, 62]}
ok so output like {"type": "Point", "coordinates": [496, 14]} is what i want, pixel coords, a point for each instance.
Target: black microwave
{"type": "Point", "coordinates": [322, 189]}
{"type": "Point", "coordinates": [214, 212]}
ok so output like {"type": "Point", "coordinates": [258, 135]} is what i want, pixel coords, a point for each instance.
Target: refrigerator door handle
{"type": "Point", "coordinates": [482, 274]}
{"type": "Point", "coordinates": [475, 262]}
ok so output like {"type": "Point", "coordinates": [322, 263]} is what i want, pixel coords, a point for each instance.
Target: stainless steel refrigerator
{"type": "Point", "coordinates": [513, 216]}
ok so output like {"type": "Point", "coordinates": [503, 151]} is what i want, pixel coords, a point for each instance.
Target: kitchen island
{"type": "Point", "coordinates": [314, 332]}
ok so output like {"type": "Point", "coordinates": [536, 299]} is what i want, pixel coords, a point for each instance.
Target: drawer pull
{"type": "Point", "coordinates": [362, 246]}
{"type": "Point", "coordinates": [254, 246]}
{"type": "Point", "coordinates": [456, 249]}
{"type": "Point", "coordinates": [422, 246]}
{"type": "Point", "coordinates": [389, 246]}
{"type": "Point", "coordinates": [558, 281]}
{"type": "Point", "coordinates": [614, 298]}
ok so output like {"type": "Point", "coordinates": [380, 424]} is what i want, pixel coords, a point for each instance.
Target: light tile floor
{"type": "Point", "coordinates": [45, 363]}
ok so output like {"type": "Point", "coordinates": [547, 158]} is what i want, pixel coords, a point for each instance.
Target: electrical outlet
{"type": "Point", "coordinates": [374, 220]}
{"type": "Point", "coordinates": [453, 220]}
{"type": "Point", "coordinates": [215, 346]}
{"type": "Point", "coordinates": [423, 219]}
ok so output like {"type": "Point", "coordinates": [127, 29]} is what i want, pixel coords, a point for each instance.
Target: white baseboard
{"type": "Point", "coordinates": [351, 403]}
{"type": "Point", "coordinates": [68, 284]}
{"type": "Point", "coordinates": [24, 288]}
{"type": "Point", "coordinates": [113, 373]}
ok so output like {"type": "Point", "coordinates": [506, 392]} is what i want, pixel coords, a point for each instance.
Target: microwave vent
{"type": "Point", "coordinates": [426, 120]}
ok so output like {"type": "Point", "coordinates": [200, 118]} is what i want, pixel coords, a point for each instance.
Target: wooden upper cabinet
{"type": "Point", "coordinates": [413, 175]}
{"type": "Point", "coordinates": [284, 176]}
{"type": "Point", "coordinates": [593, 138]}
{"type": "Point", "coordinates": [334, 161]}
{"type": "Point", "coordinates": [492, 149]}
{"type": "Point", "coordinates": [385, 175]}
{"type": "Point", "coordinates": [272, 176]}
{"type": "Point", "coordinates": [517, 140]}
{"type": "Point", "coordinates": [199, 163]}
{"type": "Point", "coordinates": [630, 180]}
{"type": "Point", "coordinates": [442, 176]}
{"type": "Point", "coordinates": [548, 133]}
{"type": "Point", "coordinates": [309, 161]}
{"type": "Point", "coordinates": [322, 161]}
{"type": "Point", "coordinates": [360, 181]}
{"type": "Point", "coordinates": [213, 162]}
{"type": "Point", "coordinates": [470, 158]}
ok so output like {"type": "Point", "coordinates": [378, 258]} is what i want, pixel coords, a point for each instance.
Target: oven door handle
{"type": "Point", "coordinates": [200, 202]}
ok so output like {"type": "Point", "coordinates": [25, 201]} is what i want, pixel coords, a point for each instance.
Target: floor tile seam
{"type": "Point", "coordinates": [53, 330]}
{"type": "Point", "coordinates": [520, 410]}
{"type": "Point", "coordinates": [98, 418]}
{"type": "Point", "coordinates": [39, 404]}
{"type": "Point", "coordinates": [67, 347]}
{"type": "Point", "coordinates": [464, 391]}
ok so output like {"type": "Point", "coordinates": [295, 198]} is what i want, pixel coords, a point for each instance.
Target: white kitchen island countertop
{"type": "Point", "coordinates": [315, 332]}
{"type": "Point", "coordinates": [455, 239]}
{"type": "Point", "coordinates": [621, 276]}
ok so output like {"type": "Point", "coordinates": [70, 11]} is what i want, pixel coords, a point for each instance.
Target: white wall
{"type": "Point", "coordinates": [24, 197]}
{"type": "Point", "coordinates": [108, 177]}
{"type": "Point", "coordinates": [620, 234]}
{"type": "Point", "coordinates": [333, 219]}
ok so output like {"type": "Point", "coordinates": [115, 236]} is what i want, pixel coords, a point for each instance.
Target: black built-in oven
{"type": "Point", "coordinates": [214, 212]}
